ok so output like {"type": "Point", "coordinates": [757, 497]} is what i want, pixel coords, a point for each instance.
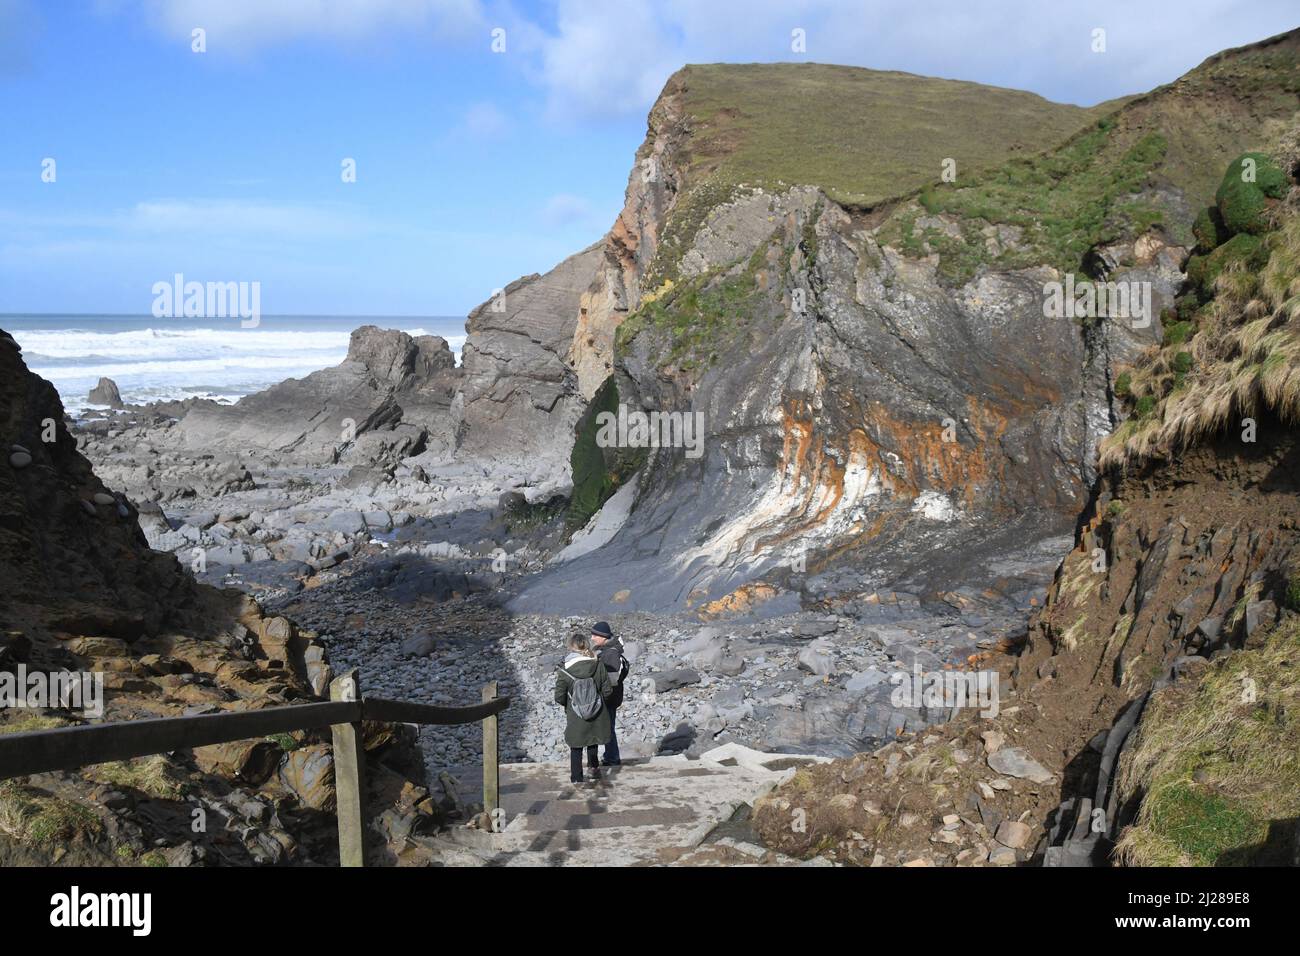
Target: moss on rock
{"type": "Point", "coordinates": [1209, 230]}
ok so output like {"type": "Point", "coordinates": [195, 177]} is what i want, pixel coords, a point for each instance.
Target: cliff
{"type": "Point", "coordinates": [881, 376]}
{"type": "Point", "coordinates": [1148, 717]}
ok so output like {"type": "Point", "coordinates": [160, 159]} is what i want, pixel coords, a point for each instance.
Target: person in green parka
{"type": "Point", "coordinates": [583, 689]}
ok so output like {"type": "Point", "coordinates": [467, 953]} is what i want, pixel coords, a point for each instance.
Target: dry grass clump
{"type": "Point", "coordinates": [45, 822]}
{"type": "Point", "coordinates": [155, 776]}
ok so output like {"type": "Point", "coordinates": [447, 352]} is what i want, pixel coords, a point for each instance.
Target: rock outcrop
{"type": "Point", "coordinates": [520, 392]}
{"type": "Point", "coordinates": [106, 393]}
{"type": "Point", "coordinates": [1149, 704]}
{"type": "Point", "coordinates": [391, 398]}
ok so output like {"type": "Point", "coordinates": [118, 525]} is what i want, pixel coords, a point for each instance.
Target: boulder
{"type": "Point", "coordinates": [1013, 834]}
{"type": "Point", "coordinates": [247, 761]}
{"type": "Point", "coordinates": [1002, 856]}
{"type": "Point", "coordinates": [816, 661]}
{"type": "Point", "coordinates": [862, 680]}
{"type": "Point", "coordinates": [731, 666]}
{"type": "Point", "coordinates": [346, 522]}
{"type": "Point", "coordinates": [665, 681]}
{"type": "Point", "coordinates": [309, 773]}
{"type": "Point", "coordinates": [707, 659]}
{"type": "Point", "coordinates": [106, 393]}
{"type": "Point", "coordinates": [678, 740]}
{"type": "Point", "coordinates": [418, 645]}
{"type": "Point", "coordinates": [1014, 762]}
{"type": "Point", "coordinates": [816, 627]}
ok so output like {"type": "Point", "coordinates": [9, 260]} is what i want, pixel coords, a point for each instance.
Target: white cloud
{"type": "Point", "coordinates": [245, 25]}
{"type": "Point", "coordinates": [594, 59]}
{"type": "Point", "coordinates": [607, 59]}
{"type": "Point", "coordinates": [601, 59]}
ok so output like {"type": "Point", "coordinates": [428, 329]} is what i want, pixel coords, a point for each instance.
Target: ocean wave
{"type": "Point", "coordinates": [137, 344]}
{"type": "Point", "coordinates": [167, 364]}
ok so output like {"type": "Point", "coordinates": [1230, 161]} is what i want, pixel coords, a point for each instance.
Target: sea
{"type": "Point", "coordinates": [154, 359]}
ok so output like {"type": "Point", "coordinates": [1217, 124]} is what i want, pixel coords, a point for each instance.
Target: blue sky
{"type": "Point", "coordinates": [473, 167]}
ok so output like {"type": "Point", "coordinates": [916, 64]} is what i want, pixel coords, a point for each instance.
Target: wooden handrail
{"type": "Point", "coordinates": [404, 712]}
{"type": "Point", "coordinates": [68, 748]}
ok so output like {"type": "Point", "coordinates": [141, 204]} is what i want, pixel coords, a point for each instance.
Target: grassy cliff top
{"type": "Point", "coordinates": [861, 135]}
{"type": "Point", "coordinates": [1154, 161]}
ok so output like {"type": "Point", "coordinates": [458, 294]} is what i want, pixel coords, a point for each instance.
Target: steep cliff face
{"type": "Point", "coordinates": [81, 592]}
{"type": "Point", "coordinates": [537, 352]}
{"type": "Point", "coordinates": [1150, 707]}
{"type": "Point", "coordinates": [846, 410]}
{"type": "Point", "coordinates": [874, 382]}
{"type": "Point", "coordinates": [520, 392]}
{"type": "Point", "coordinates": [1184, 594]}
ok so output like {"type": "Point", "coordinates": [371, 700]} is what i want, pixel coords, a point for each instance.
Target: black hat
{"type": "Point", "coordinates": [601, 629]}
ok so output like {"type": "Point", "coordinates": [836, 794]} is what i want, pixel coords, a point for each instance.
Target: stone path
{"type": "Point", "coordinates": [648, 811]}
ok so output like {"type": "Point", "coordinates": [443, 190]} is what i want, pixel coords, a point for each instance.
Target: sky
{"type": "Point", "coordinates": [490, 139]}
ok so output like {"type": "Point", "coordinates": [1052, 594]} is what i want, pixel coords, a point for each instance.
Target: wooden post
{"type": "Point", "coordinates": [491, 767]}
{"type": "Point", "coordinates": [349, 777]}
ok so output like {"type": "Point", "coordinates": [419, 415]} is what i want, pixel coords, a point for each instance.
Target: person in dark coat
{"type": "Point", "coordinates": [609, 651]}
{"type": "Point", "coordinates": [582, 734]}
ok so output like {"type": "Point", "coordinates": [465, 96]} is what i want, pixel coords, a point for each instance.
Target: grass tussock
{"type": "Point", "coordinates": [1242, 360]}
{"type": "Point", "coordinates": [155, 776]}
{"type": "Point", "coordinates": [1218, 765]}
{"type": "Point", "coordinates": [45, 822]}
{"type": "Point", "coordinates": [32, 722]}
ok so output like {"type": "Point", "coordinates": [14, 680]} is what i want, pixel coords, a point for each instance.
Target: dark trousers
{"type": "Point", "coordinates": [611, 748]}
{"type": "Point", "coordinates": [575, 762]}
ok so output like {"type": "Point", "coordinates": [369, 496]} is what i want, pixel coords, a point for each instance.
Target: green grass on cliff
{"type": "Point", "coordinates": [1061, 204]}
{"type": "Point", "coordinates": [1218, 765]}
{"type": "Point", "coordinates": [694, 315]}
{"type": "Point", "coordinates": [1136, 168]}
{"type": "Point", "coordinates": [598, 472]}
{"type": "Point", "coordinates": [861, 135]}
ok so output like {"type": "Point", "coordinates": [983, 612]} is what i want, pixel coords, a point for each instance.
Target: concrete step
{"type": "Point", "coordinates": [647, 811]}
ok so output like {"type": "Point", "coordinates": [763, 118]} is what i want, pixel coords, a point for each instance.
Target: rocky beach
{"type": "Point", "coordinates": [407, 563]}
